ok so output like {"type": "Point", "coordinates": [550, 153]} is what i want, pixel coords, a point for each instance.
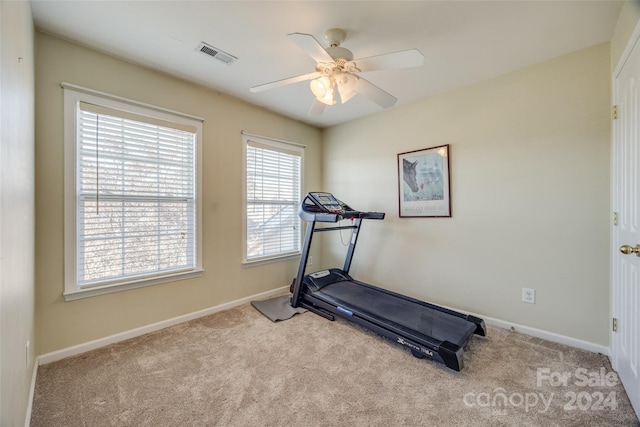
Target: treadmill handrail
{"type": "Point", "coordinates": [312, 210]}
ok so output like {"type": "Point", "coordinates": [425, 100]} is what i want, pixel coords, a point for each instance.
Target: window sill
{"type": "Point", "coordinates": [263, 261]}
{"type": "Point", "coordinates": [134, 284]}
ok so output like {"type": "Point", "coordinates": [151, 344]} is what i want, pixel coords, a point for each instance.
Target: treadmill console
{"type": "Point", "coordinates": [325, 207]}
{"type": "Point", "coordinates": [327, 203]}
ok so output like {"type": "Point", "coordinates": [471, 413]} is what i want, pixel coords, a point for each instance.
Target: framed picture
{"type": "Point", "coordinates": [423, 183]}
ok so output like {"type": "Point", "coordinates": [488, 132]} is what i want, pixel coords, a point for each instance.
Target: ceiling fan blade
{"type": "Point", "coordinates": [402, 59]}
{"type": "Point", "coordinates": [374, 93]}
{"type": "Point", "coordinates": [317, 108]}
{"type": "Point", "coordinates": [284, 82]}
{"type": "Point", "coordinates": [311, 46]}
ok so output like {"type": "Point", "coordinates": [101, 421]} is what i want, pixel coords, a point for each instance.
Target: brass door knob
{"type": "Point", "coordinates": [628, 250]}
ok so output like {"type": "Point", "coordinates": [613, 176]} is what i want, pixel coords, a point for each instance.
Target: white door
{"type": "Point", "coordinates": [626, 234]}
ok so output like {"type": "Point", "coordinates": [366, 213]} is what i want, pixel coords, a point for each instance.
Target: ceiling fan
{"type": "Point", "coordinates": [336, 79]}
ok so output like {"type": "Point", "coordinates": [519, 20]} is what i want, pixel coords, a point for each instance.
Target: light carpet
{"type": "Point", "coordinates": [238, 368]}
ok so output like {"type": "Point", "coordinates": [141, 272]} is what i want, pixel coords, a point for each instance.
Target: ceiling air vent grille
{"type": "Point", "coordinates": [216, 53]}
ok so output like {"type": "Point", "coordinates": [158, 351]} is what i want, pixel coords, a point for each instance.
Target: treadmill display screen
{"type": "Point", "coordinates": [328, 202]}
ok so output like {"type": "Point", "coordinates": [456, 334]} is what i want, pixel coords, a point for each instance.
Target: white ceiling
{"type": "Point", "coordinates": [462, 41]}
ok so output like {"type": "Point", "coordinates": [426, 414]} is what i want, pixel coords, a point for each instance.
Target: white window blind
{"type": "Point", "coordinates": [273, 187]}
{"type": "Point", "coordinates": [136, 205]}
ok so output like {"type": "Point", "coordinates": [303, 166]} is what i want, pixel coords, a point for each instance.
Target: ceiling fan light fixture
{"type": "Point", "coordinates": [346, 86]}
{"type": "Point", "coordinates": [322, 88]}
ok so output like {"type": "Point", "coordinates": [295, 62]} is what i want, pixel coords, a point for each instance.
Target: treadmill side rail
{"type": "Point", "coordinates": [481, 328]}
{"type": "Point", "coordinates": [451, 355]}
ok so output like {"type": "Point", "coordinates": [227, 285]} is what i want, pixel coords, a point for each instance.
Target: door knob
{"type": "Point", "coordinates": [628, 250]}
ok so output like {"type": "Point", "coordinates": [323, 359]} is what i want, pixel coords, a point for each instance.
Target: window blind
{"type": "Point", "coordinates": [273, 180]}
{"type": "Point", "coordinates": [136, 197]}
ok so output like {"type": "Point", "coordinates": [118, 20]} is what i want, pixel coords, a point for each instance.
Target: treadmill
{"type": "Point", "coordinates": [428, 330]}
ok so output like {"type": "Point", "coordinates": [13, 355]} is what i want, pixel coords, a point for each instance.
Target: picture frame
{"type": "Point", "coordinates": [424, 185]}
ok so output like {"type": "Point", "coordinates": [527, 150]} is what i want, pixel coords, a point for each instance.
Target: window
{"type": "Point", "coordinates": [132, 210]}
{"type": "Point", "coordinates": [273, 172]}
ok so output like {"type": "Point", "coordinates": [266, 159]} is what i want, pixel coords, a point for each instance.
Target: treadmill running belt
{"type": "Point", "coordinates": [411, 315]}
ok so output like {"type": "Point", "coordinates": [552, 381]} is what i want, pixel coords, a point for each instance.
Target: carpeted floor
{"type": "Point", "coordinates": [237, 368]}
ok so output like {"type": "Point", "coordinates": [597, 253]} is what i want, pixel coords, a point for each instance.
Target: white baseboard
{"type": "Point", "coordinates": [112, 339]}
{"type": "Point", "coordinates": [549, 336]}
{"type": "Point", "coordinates": [540, 333]}
{"type": "Point", "coordinates": [102, 342]}
{"type": "Point", "coordinates": [32, 390]}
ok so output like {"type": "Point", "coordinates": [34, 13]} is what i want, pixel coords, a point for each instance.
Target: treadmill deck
{"type": "Point", "coordinates": [356, 296]}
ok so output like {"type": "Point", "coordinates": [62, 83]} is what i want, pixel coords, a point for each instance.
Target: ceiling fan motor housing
{"type": "Point", "coordinates": [337, 52]}
{"type": "Point", "coordinates": [335, 36]}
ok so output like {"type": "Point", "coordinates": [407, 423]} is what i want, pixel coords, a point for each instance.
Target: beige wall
{"type": "Point", "coordinates": [530, 165]}
{"type": "Point", "coordinates": [530, 196]}
{"type": "Point", "coordinates": [16, 210]}
{"type": "Point", "coordinates": [62, 324]}
{"type": "Point", "coordinates": [627, 21]}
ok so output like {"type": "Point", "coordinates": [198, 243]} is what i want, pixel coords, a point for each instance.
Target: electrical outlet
{"type": "Point", "coordinates": [310, 260]}
{"type": "Point", "coordinates": [529, 295]}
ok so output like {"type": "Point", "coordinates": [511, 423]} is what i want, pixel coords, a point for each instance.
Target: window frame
{"type": "Point", "coordinates": [73, 96]}
{"type": "Point", "coordinates": [278, 145]}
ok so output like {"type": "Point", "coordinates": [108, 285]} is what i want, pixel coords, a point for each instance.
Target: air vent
{"type": "Point", "coordinates": [216, 53]}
